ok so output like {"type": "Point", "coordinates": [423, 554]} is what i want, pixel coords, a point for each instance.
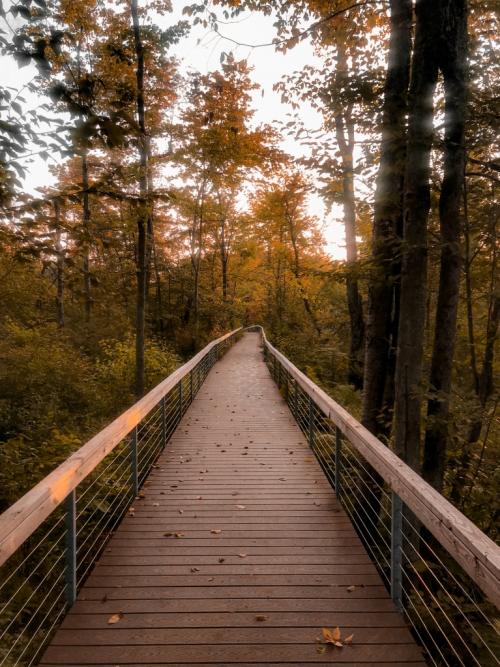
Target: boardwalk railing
{"type": "Point", "coordinates": [52, 536]}
{"type": "Point", "coordinates": [442, 571]}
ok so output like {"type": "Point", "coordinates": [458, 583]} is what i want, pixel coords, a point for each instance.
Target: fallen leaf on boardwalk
{"type": "Point", "coordinates": [142, 494]}
{"type": "Point", "coordinates": [242, 555]}
{"type": "Point", "coordinates": [240, 507]}
{"type": "Point", "coordinates": [234, 493]}
{"type": "Point", "coordinates": [156, 504]}
{"type": "Point", "coordinates": [261, 618]}
{"type": "Point", "coordinates": [195, 569]}
{"type": "Point", "coordinates": [331, 635]}
{"type": "Point", "coordinates": [181, 511]}
{"type": "Point", "coordinates": [216, 531]}
{"type": "Point", "coordinates": [334, 637]}
{"type": "Point", "coordinates": [320, 649]}
{"type": "Point", "coordinates": [221, 560]}
{"type": "Point", "coordinates": [167, 534]}
{"type": "Point", "coordinates": [131, 509]}
{"type": "Point", "coordinates": [350, 589]}
{"type": "Point", "coordinates": [211, 579]}
{"type": "Point", "coordinates": [114, 618]}
{"type": "Point", "coordinates": [104, 598]}
{"type": "Point", "coordinates": [179, 534]}
{"type": "Point", "coordinates": [199, 497]}
{"type": "Point", "coordinates": [282, 479]}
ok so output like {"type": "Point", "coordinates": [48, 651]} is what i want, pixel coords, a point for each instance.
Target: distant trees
{"type": "Point", "coordinates": [175, 216]}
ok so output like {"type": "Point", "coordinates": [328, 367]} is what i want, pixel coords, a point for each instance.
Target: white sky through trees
{"type": "Point", "coordinates": [201, 51]}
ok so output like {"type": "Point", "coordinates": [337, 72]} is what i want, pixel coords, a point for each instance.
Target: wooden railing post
{"type": "Point", "coordinates": [70, 521]}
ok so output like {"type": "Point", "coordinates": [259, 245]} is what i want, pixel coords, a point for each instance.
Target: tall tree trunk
{"type": "Point", "coordinates": [224, 259]}
{"type": "Point", "coordinates": [484, 385]}
{"type": "Point", "coordinates": [453, 64]}
{"type": "Point", "coordinates": [296, 269]}
{"type": "Point", "coordinates": [59, 265]}
{"type": "Point", "coordinates": [143, 218]}
{"type": "Point", "coordinates": [408, 398]}
{"type": "Point", "coordinates": [383, 294]}
{"type": "Point", "coordinates": [86, 236]}
{"type": "Point", "coordinates": [344, 132]}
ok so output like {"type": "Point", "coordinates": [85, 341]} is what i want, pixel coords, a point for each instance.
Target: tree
{"type": "Point", "coordinates": [383, 295]}
{"type": "Point", "coordinates": [453, 65]}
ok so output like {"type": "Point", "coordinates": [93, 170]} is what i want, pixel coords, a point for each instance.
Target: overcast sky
{"type": "Point", "coordinates": [201, 51]}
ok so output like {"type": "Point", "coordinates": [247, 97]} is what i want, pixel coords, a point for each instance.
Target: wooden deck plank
{"type": "Point", "coordinates": [262, 536]}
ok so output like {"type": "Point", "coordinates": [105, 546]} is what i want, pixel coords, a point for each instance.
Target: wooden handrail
{"type": "Point", "coordinates": [476, 553]}
{"type": "Point", "coordinates": [20, 520]}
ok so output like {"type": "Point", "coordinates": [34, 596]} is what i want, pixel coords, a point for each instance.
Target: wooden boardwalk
{"type": "Point", "coordinates": [238, 554]}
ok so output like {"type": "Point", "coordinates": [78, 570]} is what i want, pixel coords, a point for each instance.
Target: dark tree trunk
{"type": "Point", "coordinates": [485, 387]}
{"type": "Point", "coordinates": [344, 131]}
{"type": "Point", "coordinates": [87, 289]}
{"type": "Point", "coordinates": [453, 64]}
{"type": "Point", "coordinates": [383, 295]}
{"type": "Point", "coordinates": [143, 218]}
{"type": "Point", "coordinates": [60, 260]}
{"type": "Point", "coordinates": [416, 206]}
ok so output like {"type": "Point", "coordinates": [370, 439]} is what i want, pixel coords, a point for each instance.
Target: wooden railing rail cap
{"type": "Point", "coordinates": [477, 554]}
{"type": "Point", "coordinates": [20, 520]}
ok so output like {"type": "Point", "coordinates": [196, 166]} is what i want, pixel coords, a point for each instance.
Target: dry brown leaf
{"type": "Point", "coordinates": [114, 618]}
{"type": "Point", "coordinates": [332, 636]}
{"type": "Point", "coordinates": [242, 555]}
{"type": "Point", "coordinates": [221, 560]}
{"type": "Point", "coordinates": [179, 534]}
{"type": "Point", "coordinates": [261, 617]}
{"type": "Point", "coordinates": [348, 640]}
{"type": "Point", "coordinates": [320, 649]}
{"type": "Point", "coordinates": [240, 507]}
{"type": "Point", "coordinates": [350, 589]}
{"type": "Point", "coordinates": [216, 531]}
{"type": "Point", "coordinates": [195, 569]}
{"type": "Point", "coordinates": [167, 534]}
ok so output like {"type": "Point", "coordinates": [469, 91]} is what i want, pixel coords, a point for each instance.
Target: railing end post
{"type": "Point", "coordinates": [70, 521]}
{"type": "Point", "coordinates": [396, 550]}
{"type": "Point", "coordinates": [134, 462]}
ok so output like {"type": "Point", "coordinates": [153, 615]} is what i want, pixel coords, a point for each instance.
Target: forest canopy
{"type": "Point", "coordinates": [173, 214]}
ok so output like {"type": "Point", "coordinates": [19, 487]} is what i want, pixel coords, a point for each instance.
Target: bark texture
{"type": "Point", "coordinates": [453, 64]}
{"type": "Point", "coordinates": [383, 296]}
{"type": "Point", "coordinates": [344, 132]}
{"type": "Point", "coordinates": [143, 217]}
{"type": "Point", "coordinates": [408, 396]}
{"type": "Point", "coordinates": [87, 287]}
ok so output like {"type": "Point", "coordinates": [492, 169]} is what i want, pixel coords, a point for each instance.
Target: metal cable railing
{"type": "Point", "coordinates": [52, 537]}
{"type": "Point", "coordinates": [423, 557]}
